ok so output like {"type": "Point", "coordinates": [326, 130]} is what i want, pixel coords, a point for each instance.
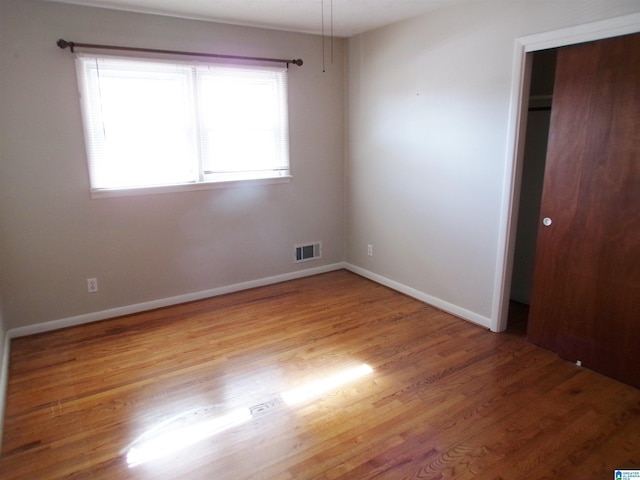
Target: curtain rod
{"type": "Point", "coordinates": [72, 45]}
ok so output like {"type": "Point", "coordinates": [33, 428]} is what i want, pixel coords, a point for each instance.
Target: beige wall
{"type": "Point", "coordinates": [427, 149]}
{"type": "Point", "coordinates": [143, 248]}
{"type": "Point", "coordinates": [428, 105]}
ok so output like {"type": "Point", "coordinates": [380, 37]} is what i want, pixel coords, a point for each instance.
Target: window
{"type": "Point", "coordinates": [165, 123]}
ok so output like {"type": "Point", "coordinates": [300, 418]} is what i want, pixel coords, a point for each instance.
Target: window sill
{"type": "Point", "coordinates": [186, 187]}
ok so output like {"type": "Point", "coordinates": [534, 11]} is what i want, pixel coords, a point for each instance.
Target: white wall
{"type": "Point", "coordinates": [427, 149]}
{"type": "Point", "coordinates": [144, 248]}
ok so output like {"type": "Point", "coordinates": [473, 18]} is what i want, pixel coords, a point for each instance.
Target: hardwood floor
{"type": "Point", "coordinates": [444, 399]}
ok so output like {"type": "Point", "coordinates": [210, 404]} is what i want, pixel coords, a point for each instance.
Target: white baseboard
{"type": "Point", "coordinates": [165, 302]}
{"type": "Point", "coordinates": [423, 297]}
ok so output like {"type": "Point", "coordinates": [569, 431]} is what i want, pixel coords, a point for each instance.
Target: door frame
{"type": "Point", "coordinates": [520, 80]}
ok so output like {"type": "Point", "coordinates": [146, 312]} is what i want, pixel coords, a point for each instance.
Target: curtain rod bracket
{"type": "Point", "coordinates": [71, 45]}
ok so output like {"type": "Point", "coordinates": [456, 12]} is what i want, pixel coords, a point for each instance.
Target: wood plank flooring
{"type": "Point", "coordinates": [199, 386]}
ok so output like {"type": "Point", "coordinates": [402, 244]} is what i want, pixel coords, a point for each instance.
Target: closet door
{"type": "Point", "coordinates": [586, 289]}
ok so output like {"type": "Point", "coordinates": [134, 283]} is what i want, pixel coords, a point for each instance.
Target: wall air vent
{"type": "Point", "coordinates": [308, 251]}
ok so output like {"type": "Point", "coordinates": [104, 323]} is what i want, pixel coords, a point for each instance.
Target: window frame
{"type": "Point", "coordinates": [203, 180]}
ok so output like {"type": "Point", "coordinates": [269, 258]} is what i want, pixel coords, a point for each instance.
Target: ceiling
{"type": "Point", "coordinates": [350, 17]}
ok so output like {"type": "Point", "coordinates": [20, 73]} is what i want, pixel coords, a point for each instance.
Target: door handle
{"type": "Point", "coordinates": [546, 221]}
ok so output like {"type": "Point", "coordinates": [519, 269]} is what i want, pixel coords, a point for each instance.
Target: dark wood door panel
{"type": "Point", "coordinates": [586, 293]}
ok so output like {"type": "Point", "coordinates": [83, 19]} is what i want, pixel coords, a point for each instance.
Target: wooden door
{"type": "Point", "coordinates": [586, 289]}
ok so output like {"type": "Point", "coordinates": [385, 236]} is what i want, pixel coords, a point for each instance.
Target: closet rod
{"type": "Point", "coordinates": [72, 45]}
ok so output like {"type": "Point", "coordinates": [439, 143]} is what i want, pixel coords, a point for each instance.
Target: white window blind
{"type": "Point", "coordinates": [154, 123]}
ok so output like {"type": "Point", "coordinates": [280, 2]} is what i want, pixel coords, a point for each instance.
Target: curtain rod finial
{"type": "Point", "coordinates": [64, 44]}
{"type": "Point", "coordinates": [298, 62]}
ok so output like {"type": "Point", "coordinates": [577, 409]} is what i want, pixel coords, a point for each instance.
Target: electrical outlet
{"type": "Point", "coordinates": [92, 285]}
{"type": "Point", "coordinates": [370, 250]}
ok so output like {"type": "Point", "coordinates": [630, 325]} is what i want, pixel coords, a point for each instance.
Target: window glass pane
{"type": "Point", "coordinates": [243, 120]}
{"type": "Point", "coordinates": [142, 124]}
{"type": "Point", "coordinates": [150, 123]}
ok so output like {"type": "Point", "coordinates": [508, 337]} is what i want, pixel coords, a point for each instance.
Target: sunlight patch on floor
{"type": "Point", "coordinates": [181, 432]}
